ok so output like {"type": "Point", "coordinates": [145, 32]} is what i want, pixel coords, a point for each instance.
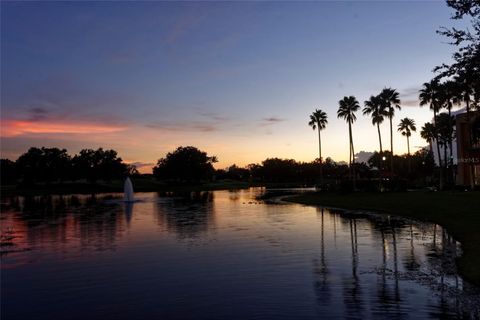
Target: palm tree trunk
{"type": "Point", "coordinates": [379, 137]}
{"type": "Point", "coordinates": [438, 150]}
{"type": "Point", "coordinates": [472, 168]}
{"type": "Point", "coordinates": [445, 159]}
{"type": "Point", "coordinates": [353, 155]}
{"type": "Point", "coordinates": [320, 156]}
{"type": "Point", "coordinates": [450, 161]}
{"type": "Point", "coordinates": [391, 145]}
{"type": "Point", "coordinates": [350, 146]}
{"type": "Point", "coordinates": [409, 158]}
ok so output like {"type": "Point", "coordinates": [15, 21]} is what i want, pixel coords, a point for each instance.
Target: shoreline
{"type": "Point", "coordinates": [458, 212]}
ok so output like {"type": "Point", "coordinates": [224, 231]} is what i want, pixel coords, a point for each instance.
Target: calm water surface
{"type": "Point", "coordinates": [222, 255]}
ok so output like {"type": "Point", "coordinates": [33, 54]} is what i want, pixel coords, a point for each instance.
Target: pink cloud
{"type": "Point", "coordinates": [12, 127]}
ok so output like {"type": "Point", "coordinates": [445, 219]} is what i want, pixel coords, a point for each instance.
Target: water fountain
{"type": "Point", "coordinates": [128, 191]}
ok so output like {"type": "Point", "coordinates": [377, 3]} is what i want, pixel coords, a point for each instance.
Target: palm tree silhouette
{"type": "Point", "coordinates": [451, 96]}
{"type": "Point", "coordinates": [406, 126]}
{"type": "Point", "coordinates": [318, 120]}
{"type": "Point", "coordinates": [346, 110]}
{"type": "Point", "coordinates": [390, 101]}
{"type": "Point", "coordinates": [430, 95]}
{"type": "Point", "coordinates": [465, 84]}
{"type": "Point", "coordinates": [375, 108]}
{"type": "Point", "coordinates": [428, 132]}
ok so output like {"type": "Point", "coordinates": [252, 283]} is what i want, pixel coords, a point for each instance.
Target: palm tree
{"type": "Point", "coordinates": [346, 110]}
{"type": "Point", "coordinates": [318, 120]}
{"type": "Point", "coordinates": [450, 94]}
{"type": "Point", "coordinates": [374, 107]}
{"type": "Point", "coordinates": [390, 101]}
{"type": "Point", "coordinates": [429, 133]}
{"type": "Point", "coordinates": [445, 130]}
{"type": "Point", "coordinates": [466, 90]}
{"type": "Point", "coordinates": [430, 95]}
{"type": "Point", "coordinates": [406, 126]}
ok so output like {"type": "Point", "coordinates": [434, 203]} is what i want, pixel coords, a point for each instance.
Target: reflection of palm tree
{"type": "Point", "coordinates": [318, 120]}
{"type": "Point", "coordinates": [353, 292]}
{"type": "Point", "coordinates": [406, 127]}
{"type": "Point", "coordinates": [391, 101]}
{"type": "Point", "coordinates": [374, 107]}
{"type": "Point", "coordinates": [321, 286]}
{"type": "Point", "coordinates": [411, 263]}
{"type": "Point", "coordinates": [395, 264]}
{"type": "Point", "coordinates": [347, 108]}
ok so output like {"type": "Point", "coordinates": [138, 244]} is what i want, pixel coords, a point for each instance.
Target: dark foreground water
{"type": "Point", "coordinates": [221, 255]}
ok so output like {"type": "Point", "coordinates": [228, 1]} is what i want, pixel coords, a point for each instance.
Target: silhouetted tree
{"type": "Point", "coordinates": [318, 120]}
{"type": "Point", "coordinates": [428, 133]}
{"type": "Point", "coordinates": [347, 108]}
{"type": "Point", "coordinates": [280, 170]}
{"type": "Point", "coordinates": [185, 164]}
{"type": "Point", "coordinates": [8, 171]}
{"type": "Point", "coordinates": [465, 68]}
{"type": "Point", "coordinates": [445, 131]}
{"type": "Point", "coordinates": [466, 60]}
{"type": "Point", "coordinates": [405, 127]}
{"type": "Point", "coordinates": [430, 94]}
{"type": "Point", "coordinates": [390, 101]}
{"type": "Point", "coordinates": [375, 108]}
{"type": "Point", "coordinates": [43, 165]}
{"type": "Point", "coordinates": [98, 164]}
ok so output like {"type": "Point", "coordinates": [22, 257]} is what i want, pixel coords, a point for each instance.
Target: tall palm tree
{"type": "Point", "coordinates": [429, 95]}
{"type": "Point", "coordinates": [318, 120]}
{"type": "Point", "coordinates": [406, 126]}
{"type": "Point", "coordinates": [374, 107]}
{"type": "Point", "coordinates": [450, 97]}
{"type": "Point", "coordinates": [346, 110]}
{"type": "Point", "coordinates": [445, 129]}
{"type": "Point", "coordinates": [466, 87]}
{"type": "Point", "coordinates": [390, 100]}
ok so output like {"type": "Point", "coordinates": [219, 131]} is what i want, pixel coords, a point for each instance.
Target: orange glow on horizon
{"type": "Point", "coordinates": [12, 128]}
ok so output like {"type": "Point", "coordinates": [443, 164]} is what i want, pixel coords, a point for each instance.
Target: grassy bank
{"type": "Point", "coordinates": [459, 212]}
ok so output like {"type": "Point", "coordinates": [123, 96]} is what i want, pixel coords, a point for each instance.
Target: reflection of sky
{"type": "Point", "coordinates": [222, 255]}
{"type": "Point", "coordinates": [235, 79]}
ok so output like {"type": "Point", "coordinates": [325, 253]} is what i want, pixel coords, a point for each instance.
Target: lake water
{"type": "Point", "coordinates": [222, 255]}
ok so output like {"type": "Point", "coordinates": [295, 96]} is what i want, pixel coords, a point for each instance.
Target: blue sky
{"type": "Point", "coordinates": [237, 79]}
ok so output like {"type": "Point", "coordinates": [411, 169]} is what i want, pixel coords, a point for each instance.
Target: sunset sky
{"type": "Point", "coordinates": [237, 80]}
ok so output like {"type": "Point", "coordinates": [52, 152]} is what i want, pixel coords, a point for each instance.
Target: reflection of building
{"type": "Point", "coordinates": [468, 148]}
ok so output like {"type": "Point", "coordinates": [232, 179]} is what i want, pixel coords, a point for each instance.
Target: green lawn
{"type": "Point", "coordinates": [459, 212]}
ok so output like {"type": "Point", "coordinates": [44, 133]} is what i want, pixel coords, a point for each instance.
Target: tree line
{"type": "Point", "coordinates": [191, 165]}
{"type": "Point", "coordinates": [49, 165]}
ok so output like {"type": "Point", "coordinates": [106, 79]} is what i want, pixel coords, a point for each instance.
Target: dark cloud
{"type": "Point", "coordinates": [37, 113]}
{"type": "Point", "coordinates": [213, 116]}
{"type": "Point", "coordinates": [270, 121]}
{"type": "Point", "coordinates": [196, 126]}
{"type": "Point", "coordinates": [409, 96]}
